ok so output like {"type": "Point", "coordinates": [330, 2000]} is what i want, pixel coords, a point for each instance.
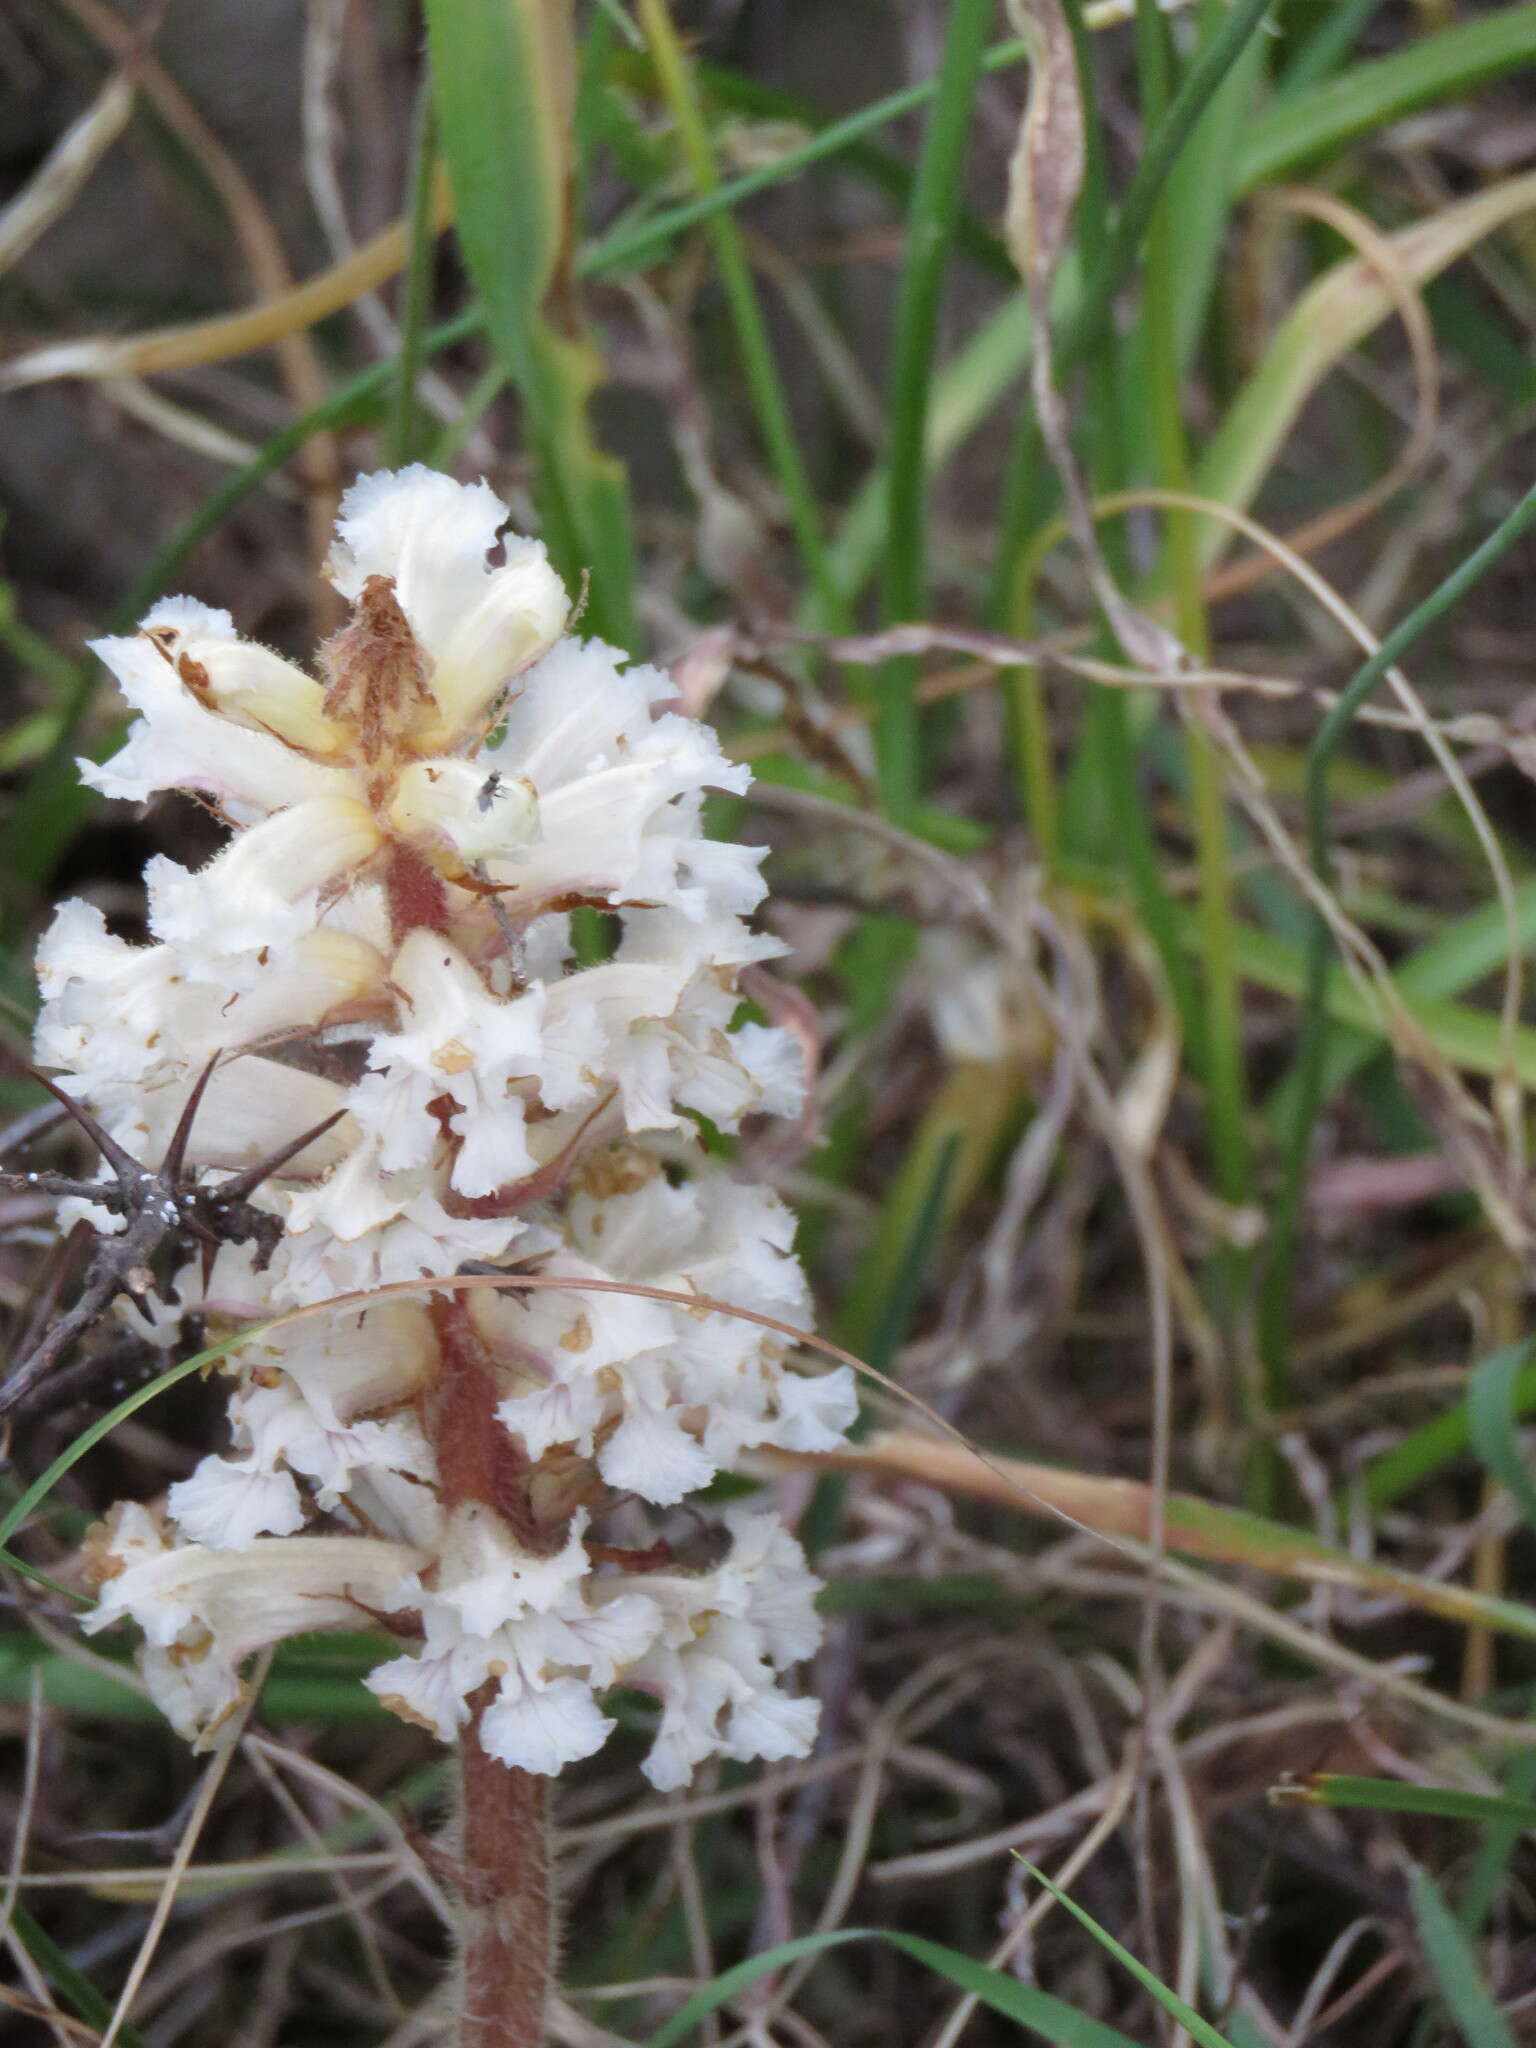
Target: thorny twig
{"type": "Point", "coordinates": [154, 1204]}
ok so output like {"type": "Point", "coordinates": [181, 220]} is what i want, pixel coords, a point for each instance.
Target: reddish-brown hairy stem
{"type": "Point", "coordinates": [502, 1872]}
{"type": "Point", "coordinates": [506, 1899]}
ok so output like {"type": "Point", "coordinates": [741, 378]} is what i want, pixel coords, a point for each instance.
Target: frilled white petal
{"type": "Point", "coordinates": [816, 1410]}
{"type": "Point", "coordinates": [228, 1503]}
{"type": "Point", "coordinates": [544, 1729]}
{"type": "Point", "coordinates": [423, 1690]}
{"type": "Point", "coordinates": [582, 734]}
{"type": "Point", "coordinates": [651, 1454]}
{"type": "Point", "coordinates": [480, 1052]}
{"type": "Point", "coordinates": [430, 536]}
{"type": "Point", "coordinates": [771, 1726]}
{"type": "Point", "coordinates": [212, 1607]}
{"type": "Point", "coordinates": [774, 1061]}
{"type": "Point", "coordinates": [601, 1640]}
{"type": "Point", "coordinates": [344, 1246]}
{"type": "Point", "coordinates": [351, 1364]}
{"type": "Point", "coordinates": [178, 743]}
{"type": "Point", "coordinates": [281, 1427]}
{"type": "Point", "coordinates": [568, 1412]}
{"type": "Point", "coordinates": [766, 1579]}
{"type": "Point", "coordinates": [133, 1016]}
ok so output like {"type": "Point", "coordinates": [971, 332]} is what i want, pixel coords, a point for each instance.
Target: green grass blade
{"type": "Point", "coordinates": [1392, 1795]}
{"type": "Point", "coordinates": [1331, 317]}
{"type": "Point", "coordinates": [1491, 1421]}
{"type": "Point", "coordinates": [1472, 947]}
{"type": "Point", "coordinates": [628, 247]}
{"type": "Point", "coordinates": [1051, 2018]}
{"type": "Point", "coordinates": [1454, 1966]}
{"type": "Point", "coordinates": [1303, 126]}
{"type": "Point", "coordinates": [1432, 1447]}
{"type": "Point", "coordinates": [1470, 1039]}
{"type": "Point", "coordinates": [34, 1495]}
{"type": "Point", "coordinates": [763, 381]}
{"type": "Point", "coordinates": [1500, 1840]}
{"type": "Point", "coordinates": [1201, 190]}
{"type": "Point", "coordinates": [930, 227]}
{"type": "Point", "coordinates": [1200, 2029]}
{"type": "Point", "coordinates": [65, 1978]}
{"type": "Point", "coordinates": [503, 76]}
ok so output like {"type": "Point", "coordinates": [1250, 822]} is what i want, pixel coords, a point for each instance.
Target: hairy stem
{"type": "Point", "coordinates": [505, 1895]}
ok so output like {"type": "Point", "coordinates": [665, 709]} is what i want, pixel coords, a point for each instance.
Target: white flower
{"type": "Point", "coordinates": [384, 948]}
{"type": "Point", "coordinates": [204, 1610]}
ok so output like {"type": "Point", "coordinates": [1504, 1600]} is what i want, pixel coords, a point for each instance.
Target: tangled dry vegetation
{"type": "Point", "coordinates": [1019, 451]}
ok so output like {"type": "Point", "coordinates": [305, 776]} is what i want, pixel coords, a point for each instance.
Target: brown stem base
{"type": "Point", "coordinates": [506, 1898]}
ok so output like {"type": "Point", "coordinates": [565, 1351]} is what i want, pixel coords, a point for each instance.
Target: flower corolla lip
{"type": "Point", "coordinates": [227, 1503]}
{"type": "Point", "coordinates": [478, 626]}
{"type": "Point", "coordinates": [544, 1728]}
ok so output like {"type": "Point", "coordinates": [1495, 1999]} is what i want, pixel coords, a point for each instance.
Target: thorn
{"type": "Point", "coordinates": [122, 1163]}
{"type": "Point", "coordinates": [176, 1151]}
{"type": "Point", "coordinates": [242, 1185]}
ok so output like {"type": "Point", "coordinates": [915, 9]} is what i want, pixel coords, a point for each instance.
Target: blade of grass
{"type": "Point", "coordinates": [1392, 1795]}
{"type": "Point", "coordinates": [1492, 1390]}
{"type": "Point", "coordinates": [77, 1988]}
{"type": "Point", "coordinates": [1497, 1847]}
{"type": "Point", "coordinates": [1170, 2001]}
{"type": "Point", "coordinates": [1470, 1039]}
{"type": "Point", "coordinates": [1454, 1966]}
{"type": "Point", "coordinates": [1432, 1447]}
{"type": "Point", "coordinates": [1194, 1527]}
{"type": "Point", "coordinates": [1303, 126]}
{"type": "Point", "coordinates": [930, 228]}
{"type": "Point", "coordinates": [1332, 316]}
{"type": "Point", "coordinates": [763, 381]}
{"type": "Point", "coordinates": [1275, 1304]}
{"type": "Point", "coordinates": [1167, 284]}
{"type": "Point", "coordinates": [1467, 950]}
{"type": "Point", "coordinates": [1051, 2018]}
{"type": "Point", "coordinates": [503, 75]}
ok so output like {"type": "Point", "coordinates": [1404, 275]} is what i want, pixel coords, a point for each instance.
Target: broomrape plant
{"type": "Point", "coordinates": [379, 963]}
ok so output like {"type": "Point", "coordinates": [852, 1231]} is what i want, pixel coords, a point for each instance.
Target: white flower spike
{"type": "Point", "coordinates": [386, 936]}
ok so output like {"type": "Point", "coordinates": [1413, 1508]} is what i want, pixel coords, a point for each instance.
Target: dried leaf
{"type": "Point", "coordinates": [52, 188]}
{"type": "Point", "coordinates": [1046, 172]}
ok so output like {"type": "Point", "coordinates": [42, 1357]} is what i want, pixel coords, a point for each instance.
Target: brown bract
{"type": "Point", "coordinates": [378, 675]}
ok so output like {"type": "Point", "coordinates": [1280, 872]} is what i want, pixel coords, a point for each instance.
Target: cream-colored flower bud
{"type": "Point", "coordinates": [241, 678]}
